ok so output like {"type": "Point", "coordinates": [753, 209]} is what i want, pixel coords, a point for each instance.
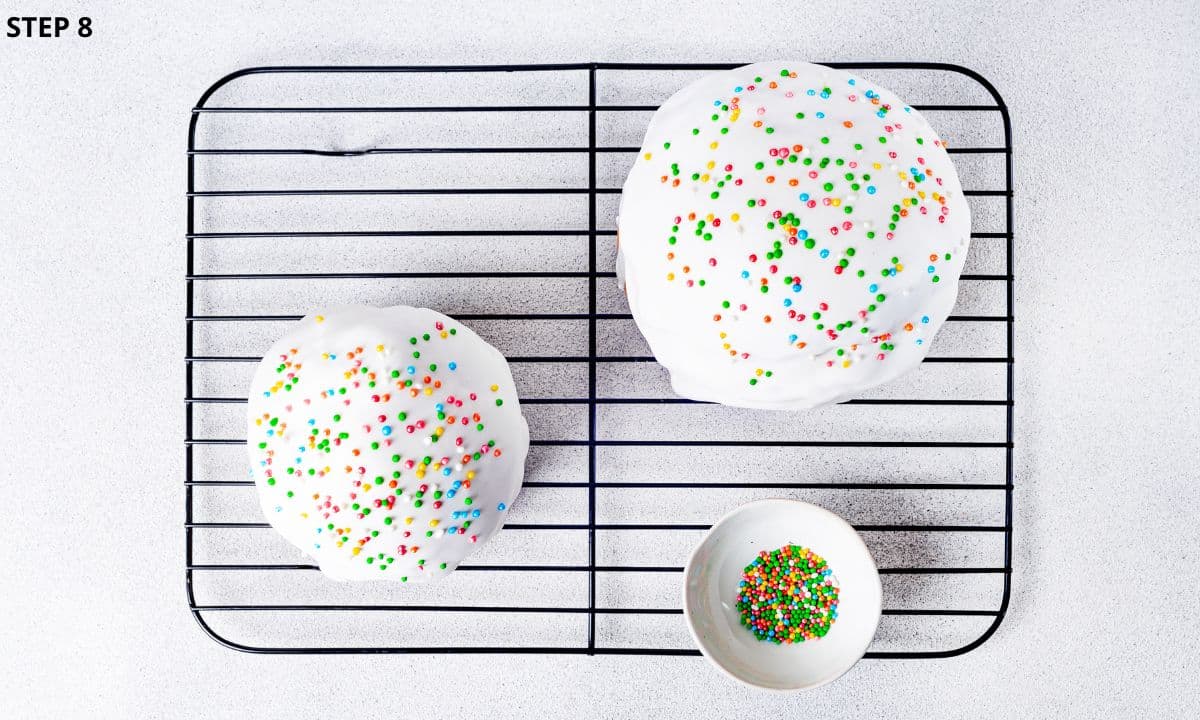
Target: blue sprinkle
{"type": "Point", "coordinates": [824, 95]}
{"type": "Point", "coordinates": [386, 430]}
{"type": "Point", "coordinates": [332, 357]}
{"type": "Point", "coordinates": [881, 113]}
{"type": "Point", "coordinates": [745, 274]}
{"type": "Point", "coordinates": [716, 103]}
{"type": "Point", "coordinates": [319, 530]}
{"type": "Point", "coordinates": [913, 170]}
{"type": "Point", "coordinates": [453, 366]}
{"type": "Point", "coordinates": [811, 93]}
{"type": "Point", "coordinates": [793, 338]}
{"type": "Point", "coordinates": [929, 269]}
{"type": "Point", "coordinates": [920, 341]}
{"type": "Point", "coordinates": [270, 433]}
{"type": "Point", "coordinates": [870, 189]}
{"type": "Point", "coordinates": [278, 508]}
{"type": "Point", "coordinates": [446, 472]}
{"type": "Point", "coordinates": [317, 545]}
{"type": "Point", "coordinates": [821, 115]}
{"type": "Point", "coordinates": [738, 88]}
{"type": "Point", "coordinates": [787, 302]}
{"type": "Point", "coordinates": [873, 287]}
{"type": "Point", "coordinates": [804, 198]}
{"type": "Point", "coordinates": [803, 234]}
{"type": "Point", "coordinates": [797, 287]}
{"type": "Point", "coordinates": [851, 81]}
{"type": "Point", "coordinates": [457, 484]}
{"type": "Point", "coordinates": [475, 513]}
{"type": "Point", "coordinates": [892, 272]}
{"type": "Point", "coordinates": [439, 407]}
{"type": "Point", "coordinates": [411, 370]}
{"type": "Point", "coordinates": [925, 318]}
{"type": "Point", "coordinates": [501, 506]}
{"type": "Point", "coordinates": [267, 393]}
{"type": "Point", "coordinates": [312, 421]}
{"type": "Point", "coordinates": [824, 253]}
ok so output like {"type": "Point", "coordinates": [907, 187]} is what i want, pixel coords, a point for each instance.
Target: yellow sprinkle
{"type": "Point", "coordinates": [733, 116]}
{"type": "Point", "coordinates": [722, 336]}
{"type": "Point", "coordinates": [428, 391]}
{"type": "Point", "coordinates": [877, 166]}
{"type": "Point", "coordinates": [837, 202]}
{"type": "Point", "coordinates": [320, 318]}
{"type": "Point", "coordinates": [445, 334]}
{"type": "Point", "coordinates": [408, 521]}
{"type": "Point", "coordinates": [367, 487]}
{"type": "Point", "coordinates": [899, 267]}
{"type": "Point", "coordinates": [758, 372]}
{"type": "Point", "coordinates": [356, 550]}
{"type": "Point", "coordinates": [420, 473]}
{"type": "Point", "coordinates": [647, 156]}
{"type": "Point", "coordinates": [670, 276]}
{"type": "Point", "coordinates": [704, 177]}
{"type": "Point", "coordinates": [258, 421]}
{"type": "Point", "coordinates": [495, 388]}
{"type": "Point", "coordinates": [845, 363]}
{"type": "Point", "coordinates": [712, 164]}
{"type": "Point", "coordinates": [726, 346]}
{"type": "Point", "coordinates": [379, 348]}
{"type": "Point", "coordinates": [304, 515]}
{"type": "Point", "coordinates": [713, 145]}
{"type": "Point", "coordinates": [433, 523]}
{"type": "Point", "coordinates": [471, 475]}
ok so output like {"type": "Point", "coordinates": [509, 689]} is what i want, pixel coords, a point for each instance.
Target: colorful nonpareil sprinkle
{"type": "Point", "coordinates": [373, 433]}
{"type": "Point", "coordinates": [788, 595]}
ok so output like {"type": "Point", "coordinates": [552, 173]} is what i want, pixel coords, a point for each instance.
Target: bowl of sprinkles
{"type": "Point", "coordinates": [782, 595]}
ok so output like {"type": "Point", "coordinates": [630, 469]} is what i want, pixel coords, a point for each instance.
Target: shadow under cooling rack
{"type": "Point", "coordinates": [490, 193]}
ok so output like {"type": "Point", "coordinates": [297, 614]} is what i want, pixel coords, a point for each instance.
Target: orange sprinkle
{"type": "Point", "coordinates": [848, 124]}
{"type": "Point", "coordinates": [766, 318]}
{"type": "Point", "coordinates": [908, 326]}
{"type": "Point", "coordinates": [770, 178]}
{"type": "Point", "coordinates": [717, 317]}
{"type": "Point", "coordinates": [758, 123]}
{"type": "Point", "coordinates": [793, 182]}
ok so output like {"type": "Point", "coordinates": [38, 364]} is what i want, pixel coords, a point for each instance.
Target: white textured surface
{"type": "Point", "coordinates": [91, 216]}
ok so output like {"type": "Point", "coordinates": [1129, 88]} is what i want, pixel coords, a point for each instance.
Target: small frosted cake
{"type": "Point", "coordinates": [386, 443]}
{"type": "Point", "coordinates": [790, 235]}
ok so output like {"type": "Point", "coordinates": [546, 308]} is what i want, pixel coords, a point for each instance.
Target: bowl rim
{"type": "Point", "coordinates": [747, 507]}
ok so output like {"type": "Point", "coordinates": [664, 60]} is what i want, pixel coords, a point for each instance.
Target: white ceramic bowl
{"type": "Point", "coordinates": [710, 584]}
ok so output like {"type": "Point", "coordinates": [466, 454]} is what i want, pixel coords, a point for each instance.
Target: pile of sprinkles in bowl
{"type": "Point", "coordinates": [787, 595]}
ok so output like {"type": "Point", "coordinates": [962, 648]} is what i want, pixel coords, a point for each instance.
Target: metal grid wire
{"type": "Point", "coordinates": [310, 186]}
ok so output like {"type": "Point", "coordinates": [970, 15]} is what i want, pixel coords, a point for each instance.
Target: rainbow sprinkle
{"type": "Point", "coordinates": [788, 595]}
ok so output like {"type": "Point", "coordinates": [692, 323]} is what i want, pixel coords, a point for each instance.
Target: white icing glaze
{"type": "Point", "coordinates": [734, 354]}
{"type": "Point", "coordinates": [350, 472]}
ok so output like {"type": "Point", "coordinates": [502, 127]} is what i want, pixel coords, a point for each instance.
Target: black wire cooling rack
{"type": "Point", "coordinates": [297, 171]}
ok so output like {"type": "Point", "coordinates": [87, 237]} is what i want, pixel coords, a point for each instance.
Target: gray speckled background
{"type": "Point", "coordinates": [91, 301]}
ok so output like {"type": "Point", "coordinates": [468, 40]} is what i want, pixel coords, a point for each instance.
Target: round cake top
{"type": "Point", "coordinates": [790, 235]}
{"type": "Point", "coordinates": [386, 443]}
